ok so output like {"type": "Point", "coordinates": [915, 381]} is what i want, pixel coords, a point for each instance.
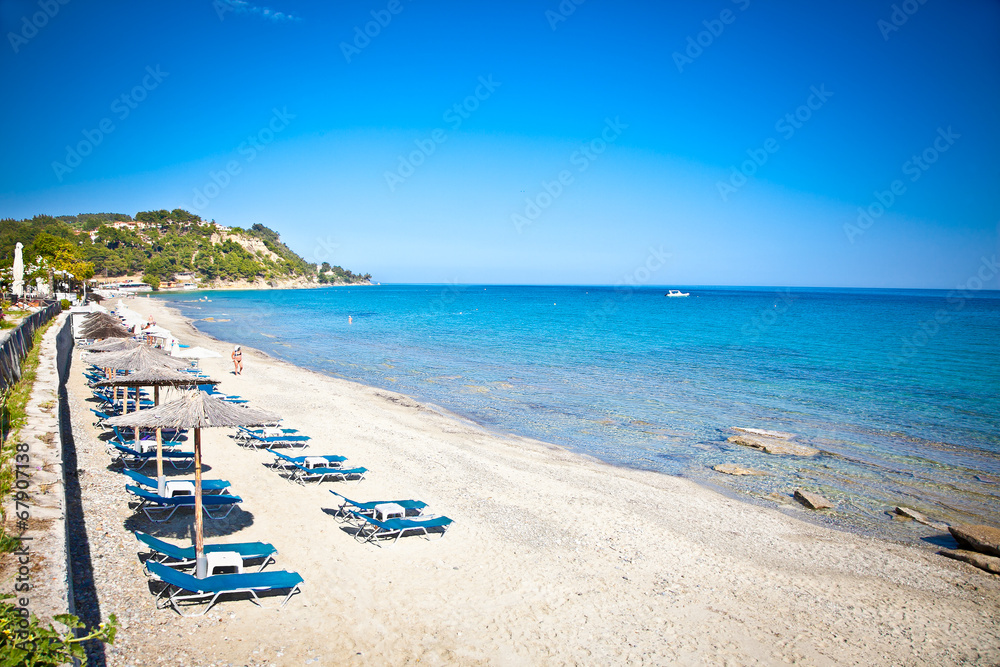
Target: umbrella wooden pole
{"type": "Point", "coordinates": [161, 480]}
{"type": "Point", "coordinates": [136, 409]}
{"type": "Point", "coordinates": [201, 563]}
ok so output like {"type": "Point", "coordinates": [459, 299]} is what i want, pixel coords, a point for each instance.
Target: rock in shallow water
{"type": "Point", "coordinates": [781, 435]}
{"type": "Point", "coordinates": [773, 445]}
{"type": "Point", "coordinates": [920, 517]}
{"type": "Point", "coordinates": [813, 501]}
{"type": "Point", "coordinates": [984, 539]}
{"type": "Point", "coordinates": [982, 561]}
{"type": "Point", "coordinates": [736, 469]}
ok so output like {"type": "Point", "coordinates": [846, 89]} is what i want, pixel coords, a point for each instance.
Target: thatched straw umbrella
{"type": "Point", "coordinates": [197, 410]}
{"type": "Point", "coordinates": [156, 377]}
{"type": "Point", "coordinates": [97, 319]}
{"type": "Point", "coordinates": [113, 345]}
{"type": "Point", "coordinates": [98, 315]}
{"type": "Point", "coordinates": [136, 359]}
{"type": "Point", "coordinates": [104, 330]}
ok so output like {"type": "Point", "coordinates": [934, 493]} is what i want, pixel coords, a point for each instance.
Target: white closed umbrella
{"type": "Point", "coordinates": [18, 286]}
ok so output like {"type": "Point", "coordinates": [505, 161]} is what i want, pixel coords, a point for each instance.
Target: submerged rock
{"type": "Point", "coordinates": [736, 469]}
{"type": "Point", "coordinates": [773, 445]}
{"type": "Point", "coordinates": [920, 517]}
{"type": "Point", "coordinates": [982, 561]}
{"type": "Point", "coordinates": [984, 539]}
{"type": "Point", "coordinates": [813, 501]}
{"type": "Point", "coordinates": [781, 435]}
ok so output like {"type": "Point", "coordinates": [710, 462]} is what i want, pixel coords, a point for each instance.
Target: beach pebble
{"type": "Point", "coordinates": [982, 561]}
{"type": "Point", "coordinates": [736, 469]}
{"type": "Point", "coordinates": [813, 501]}
{"type": "Point", "coordinates": [773, 445]}
{"type": "Point", "coordinates": [984, 539]}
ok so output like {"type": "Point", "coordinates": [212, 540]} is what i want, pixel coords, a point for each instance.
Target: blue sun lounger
{"type": "Point", "coordinates": [177, 557]}
{"type": "Point", "coordinates": [372, 529]}
{"type": "Point", "coordinates": [181, 588]}
{"type": "Point", "coordinates": [170, 436]}
{"type": "Point", "coordinates": [257, 441]}
{"type": "Point", "coordinates": [243, 433]}
{"type": "Point", "coordinates": [153, 505]}
{"type": "Point", "coordinates": [302, 474]}
{"type": "Point", "coordinates": [101, 416]}
{"type": "Point", "coordinates": [284, 461]}
{"type": "Point", "coordinates": [132, 459]}
{"type": "Point", "coordinates": [109, 401]}
{"type": "Point", "coordinates": [228, 398]}
{"type": "Point", "coordinates": [347, 506]}
{"type": "Point", "coordinates": [207, 485]}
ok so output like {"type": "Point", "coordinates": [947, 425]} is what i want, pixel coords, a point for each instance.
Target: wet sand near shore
{"type": "Point", "coordinates": [553, 558]}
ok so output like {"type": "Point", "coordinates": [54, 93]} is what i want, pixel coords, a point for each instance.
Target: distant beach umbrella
{"type": "Point", "coordinates": [194, 353]}
{"type": "Point", "coordinates": [156, 377]}
{"type": "Point", "coordinates": [104, 330]}
{"type": "Point", "coordinates": [131, 318]}
{"type": "Point", "coordinates": [135, 359]}
{"type": "Point", "coordinates": [197, 410]}
{"type": "Point", "coordinates": [100, 316]}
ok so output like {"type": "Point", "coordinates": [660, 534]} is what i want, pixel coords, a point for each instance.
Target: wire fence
{"type": "Point", "coordinates": [15, 348]}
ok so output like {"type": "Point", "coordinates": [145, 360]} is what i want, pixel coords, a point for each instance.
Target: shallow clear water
{"type": "Point", "coordinates": [897, 388]}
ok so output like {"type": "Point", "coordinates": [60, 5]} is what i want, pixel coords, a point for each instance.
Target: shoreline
{"type": "Point", "coordinates": [553, 557]}
{"type": "Point", "coordinates": [710, 480]}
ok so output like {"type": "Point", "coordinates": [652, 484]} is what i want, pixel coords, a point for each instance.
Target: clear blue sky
{"type": "Point", "coordinates": [678, 128]}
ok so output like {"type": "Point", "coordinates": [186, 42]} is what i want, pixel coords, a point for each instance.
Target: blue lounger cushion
{"type": "Point", "coordinates": [131, 458]}
{"type": "Point", "coordinates": [302, 474]}
{"type": "Point", "coordinates": [184, 556]}
{"type": "Point", "coordinates": [206, 484]}
{"type": "Point", "coordinates": [153, 505]}
{"type": "Point", "coordinates": [301, 460]}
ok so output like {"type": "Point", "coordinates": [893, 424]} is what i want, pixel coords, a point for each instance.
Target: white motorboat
{"type": "Point", "coordinates": [677, 292]}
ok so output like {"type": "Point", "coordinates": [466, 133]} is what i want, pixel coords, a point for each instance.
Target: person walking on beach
{"type": "Point", "coordinates": [237, 356]}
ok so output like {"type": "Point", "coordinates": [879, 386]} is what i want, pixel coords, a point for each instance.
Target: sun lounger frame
{"type": "Point", "coordinates": [176, 582]}
{"type": "Point", "coordinates": [302, 475]}
{"type": "Point", "coordinates": [208, 486]}
{"type": "Point", "coordinates": [134, 460]}
{"type": "Point", "coordinates": [372, 529]}
{"type": "Point", "coordinates": [368, 509]}
{"type": "Point", "coordinates": [285, 462]}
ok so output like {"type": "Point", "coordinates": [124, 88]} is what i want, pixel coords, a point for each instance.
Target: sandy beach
{"type": "Point", "coordinates": [553, 558]}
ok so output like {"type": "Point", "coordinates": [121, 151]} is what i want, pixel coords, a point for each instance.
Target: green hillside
{"type": "Point", "coordinates": [157, 245]}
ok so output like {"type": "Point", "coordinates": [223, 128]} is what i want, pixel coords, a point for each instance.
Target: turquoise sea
{"type": "Point", "coordinates": [897, 388]}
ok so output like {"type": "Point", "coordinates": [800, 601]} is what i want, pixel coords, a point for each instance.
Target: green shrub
{"type": "Point", "coordinates": [65, 304]}
{"type": "Point", "coordinates": [24, 641]}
